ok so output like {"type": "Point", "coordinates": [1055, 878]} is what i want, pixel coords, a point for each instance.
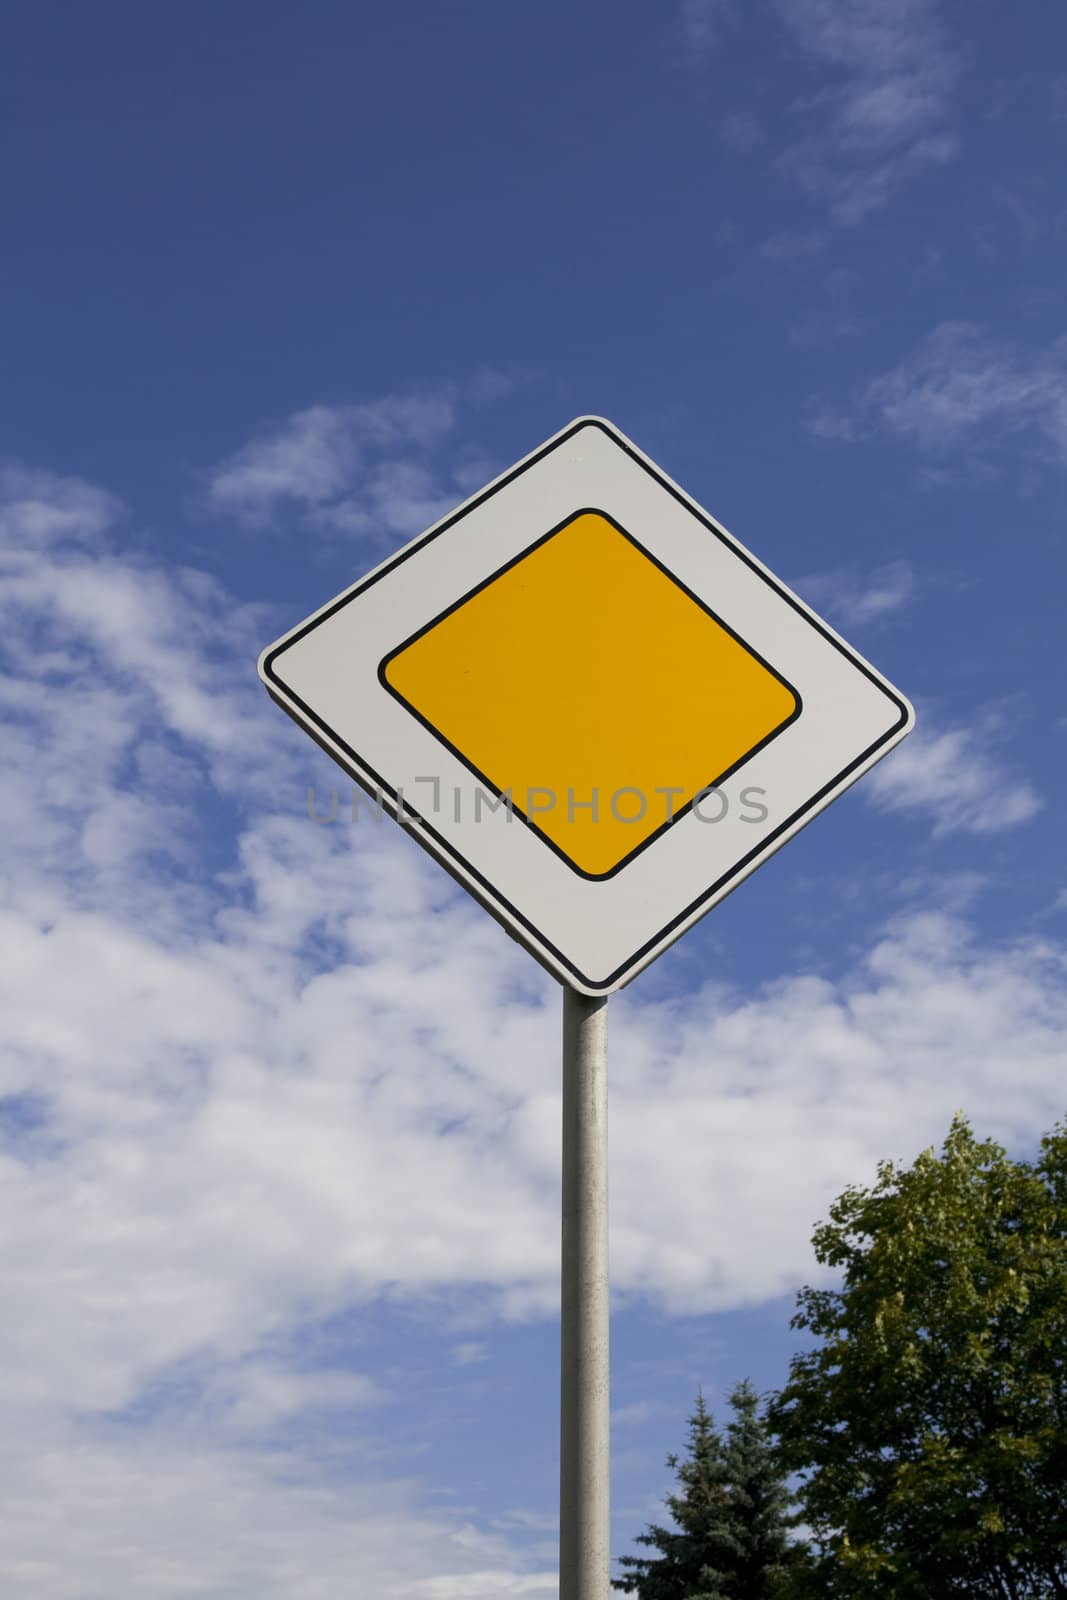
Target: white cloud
{"type": "Point", "coordinates": [742, 132]}
{"type": "Point", "coordinates": [701, 23]}
{"type": "Point", "coordinates": [895, 60]}
{"type": "Point", "coordinates": [956, 778]}
{"type": "Point", "coordinates": [793, 246]}
{"type": "Point", "coordinates": [856, 599]}
{"type": "Point", "coordinates": [885, 119]}
{"type": "Point", "coordinates": [365, 470]}
{"type": "Point", "coordinates": [245, 1096]}
{"type": "Point", "coordinates": [255, 1395]}
{"type": "Point", "coordinates": [469, 1352]}
{"type": "Point", "coordinates": [880, 111]}
{"type": "Point", "coordinates": [166, 1517]}
{"type": "Point", "coordinates": [42, 508]}
{"type": "Point", "coordinates": [961, 390]}
{"type": "Point", "coordinates": [485, 1585]}
{"type": "Point", "coordinates": [633, 1415]}
{"type": "Point", "coordinates": [312, 458]}
{"type": "Point", "coordinates": [395, 496]}
{"type": "Point", "coordinates": [833, 320]}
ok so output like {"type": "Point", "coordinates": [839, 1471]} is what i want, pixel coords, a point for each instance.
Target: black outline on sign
{"type": "Point", "coordinates": [446, 853]}
{"type": "Point", "coordinates": [585, 511]}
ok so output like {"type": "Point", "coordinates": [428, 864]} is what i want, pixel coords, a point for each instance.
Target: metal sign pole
{"type": "Point", "coordinates": [584, 1534]}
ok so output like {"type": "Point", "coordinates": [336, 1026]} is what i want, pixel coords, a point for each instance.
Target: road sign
{"type": "Point", "coordinates": [587, 700]}
{"type": "Point", "coordinates": [600, 713]}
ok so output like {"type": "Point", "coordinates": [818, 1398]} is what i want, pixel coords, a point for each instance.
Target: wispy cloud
{"type": "Point", "coordinates": [129, 698]}
{"type": "Point", "coordinates": [470, 1352]}
{"type": "Point", "coordinates": [255, 1395]}
{"type": "Point", "coordinates": [161, 1017]}
{"type": "Point", "coordinates": [742, 132]}
{"type": "Point", "coordinates": [358, 469]}
{"type": "Point", "coordinates": [173, 1513]}
{"type": "Point", "coordinates": [856, 599]}
{"type": "Point", "coordinates": [793, 246]}
{"type": "Point", "coordinates": [701, 23]}
{"type": "Point", "coordinates": [487, 1584]}
{"type": "Point", "coordinates": [885, 115]}
{"type": "Point", "coordinates": [962, 390]}
{"type": "Point", "coordinates": [956, 778]}
{"type": "Point", "coordinates": [42, 508]}
{"type": "Point", "coordinates": [826, 325]}
{"type": "Point", "coordinates": [836, 318]}
{"type": "Point", "coordinates": [633, 1415]}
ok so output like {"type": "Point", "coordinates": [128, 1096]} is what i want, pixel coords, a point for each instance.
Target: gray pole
{"type": "Point", "coordinates": [584, 1549]}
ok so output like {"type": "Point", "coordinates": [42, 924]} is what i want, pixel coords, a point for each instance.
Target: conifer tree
{"type": "Point", "coordinates": [731, 1514]}
{"type": "Point", "coordinates": [759, 1503]}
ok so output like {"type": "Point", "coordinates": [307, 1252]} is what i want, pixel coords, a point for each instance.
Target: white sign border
{"type": "Point", "coordinates": [439, 845]}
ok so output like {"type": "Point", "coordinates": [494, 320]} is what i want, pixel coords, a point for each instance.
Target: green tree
{"type": "Point", "coordinates": [929, 1421]}
{"type": "Point", "coordinates": [758, 1502]}
{"type": "Point", "coordinates": [730, 1539]}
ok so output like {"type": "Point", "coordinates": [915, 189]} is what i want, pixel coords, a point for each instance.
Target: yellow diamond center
{"type": "Point", "coordinates": [587, 685]}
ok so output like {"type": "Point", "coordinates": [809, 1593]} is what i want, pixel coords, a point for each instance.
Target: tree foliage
{"type": "Point", "coordinates": [929, 1421]}
{"type": "Point", "coordinates": [731, 1516]}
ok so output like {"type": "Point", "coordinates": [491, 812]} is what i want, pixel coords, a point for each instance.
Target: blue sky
{"type": "Point", "coordinates": [279, 1111]}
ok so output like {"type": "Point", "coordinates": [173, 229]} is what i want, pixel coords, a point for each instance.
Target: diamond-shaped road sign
{"type": "Point", "coordinates": [588, 701]}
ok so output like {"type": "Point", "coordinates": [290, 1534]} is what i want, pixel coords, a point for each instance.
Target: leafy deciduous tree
{"type": "Point", "coordinates": [930, 1421]}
